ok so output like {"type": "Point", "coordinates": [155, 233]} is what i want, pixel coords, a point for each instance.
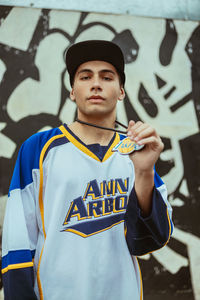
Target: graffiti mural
{"type": "Point", "coordinates": [162, 88]}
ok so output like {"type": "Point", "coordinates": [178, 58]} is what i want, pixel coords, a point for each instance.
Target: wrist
{"type": "Point", "coordinates": [144, 173]}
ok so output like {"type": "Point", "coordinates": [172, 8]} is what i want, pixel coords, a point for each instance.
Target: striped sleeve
{"type": "Point", "coordinates": [145, 235]}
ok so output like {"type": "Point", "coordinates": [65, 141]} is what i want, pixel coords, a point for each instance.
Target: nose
{"type": "Point", "coordinates": [96, 85]}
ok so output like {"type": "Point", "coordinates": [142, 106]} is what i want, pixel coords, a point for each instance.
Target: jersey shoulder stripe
{"type": "Point", "coordinates": [29, 155]}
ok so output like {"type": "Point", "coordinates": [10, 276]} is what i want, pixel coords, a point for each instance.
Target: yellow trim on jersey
{"type": "Point", "coordinates": [41, 204]}
{"type": "Point", "coordinates": [46, 146]}
{"type": "Point", "coordinates": [84, 149]}
{"type": "Point", "coordinates": [125, 230]}
{"type": "Point", "coordinates": [76, 143]}
{"type": "Point", "coordinates": [170, 228]}
{"type": "Point", "coordinates": [38, 276]}
{"type": "Point", "coordinates": [141, 285]}
{"type": "Point", "coordinates": [17, 266]}
{"type": "Point", "coordinates": [110, 152]}
{"type": "Point", "coordinates": [87, 235]}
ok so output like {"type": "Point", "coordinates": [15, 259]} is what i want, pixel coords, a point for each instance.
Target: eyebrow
{"type": "Point", "coordinates": [101, 71]}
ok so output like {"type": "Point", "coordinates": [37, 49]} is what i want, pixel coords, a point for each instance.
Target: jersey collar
{"type": "Point", "coordinates": [83, 147]}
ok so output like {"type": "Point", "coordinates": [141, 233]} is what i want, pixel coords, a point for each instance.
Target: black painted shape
{"type": "Point", "coordinates": [160, 82]}
{"type": "Point", "coordinates": [178, 247]}
{"type": "Point", "coordinates": [6, 170]}
{"type": "Point", "coordinates": [62, 32]}
{"type": "Point", "coordinates": [4, 12]}
{"type": "Point", "coordinates": [161, 284]}
{"type": "Point", "coordinates": [163, 167]}
{"type": "Point", "coordinates": [130, 111]}
{"type": "Point", "coordinates": [147, 102]}
{"type": "Point", "coordinates": [82, 27]}
{"type": "Point", "coordinates": [168, 94]}
{"type": "Point", "coordinates": [79, 29]}
{"type": "Point", "coordinates": [186, 217]}
{"type": "Point", "coordinates": [41, 30]}
{"type": "Point", "coordinates": [193, 47]}
{"type": "Point", "coordinates": [128, 44]}
{"type": "Point", "coordinates": [64, 93]}
{"type": "Point", "coordinates": [168, 43]}
{"type": "Point", "coordinates": [181, 102]}
{"type": "Point", "coordinates": [20, 64]}
{"type": "Point", "coordinates": [190, 147]}
{"type": "Point", "coordinates": [193, 51]}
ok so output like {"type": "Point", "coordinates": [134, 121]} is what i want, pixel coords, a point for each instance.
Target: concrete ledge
{"type": "Point", "coordinates": [173, 9]}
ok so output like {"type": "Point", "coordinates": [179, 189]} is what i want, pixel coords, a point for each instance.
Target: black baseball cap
{"type": "Point", "coordinates": [82, 52]}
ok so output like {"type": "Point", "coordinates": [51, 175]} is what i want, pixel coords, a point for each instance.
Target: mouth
{"type": "Point", "coordinates": [96, 98]}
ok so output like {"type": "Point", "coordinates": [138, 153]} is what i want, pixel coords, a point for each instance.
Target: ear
{"type": "Point", "coordinates": [72, 96]}
{"type": "Point", "coordinates": [122, 94]}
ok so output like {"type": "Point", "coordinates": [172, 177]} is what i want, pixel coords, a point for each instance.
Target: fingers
{"type": "Point", "coordinates": [143, 133]}
{"type": "Point", "coordinates": [131, 123]}
{"type": "Point", "coordinates": [155, 143]}
{"type": "Point", "coordinates": [139, 130]}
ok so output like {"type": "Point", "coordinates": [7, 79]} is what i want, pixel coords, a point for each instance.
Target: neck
{"type": "Point", "coordinates": [106, 121]}
{"type": "Point", "coordinates": [90, 134]}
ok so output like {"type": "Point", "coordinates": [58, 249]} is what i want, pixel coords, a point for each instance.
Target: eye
{"type": "Point", "coordinates": [106, 78]}
{"type": "Point", "coordinates": [86, 77]}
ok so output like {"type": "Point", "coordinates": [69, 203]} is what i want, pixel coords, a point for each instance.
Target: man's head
{"type": "Point", "coordinates": [96, 70]}
{"type": "Point", "coordinates": [95, 50]}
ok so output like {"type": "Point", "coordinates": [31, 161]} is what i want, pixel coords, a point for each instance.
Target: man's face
{"type": "Point", "coordinates": [96, 89]}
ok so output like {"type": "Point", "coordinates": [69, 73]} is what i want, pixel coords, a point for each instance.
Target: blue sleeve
{"type": "Point", "coordinates": [144, 235]}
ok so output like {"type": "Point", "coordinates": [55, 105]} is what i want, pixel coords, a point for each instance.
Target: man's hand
{"type": "Point", "coordinates": [143, 134]}
{"type": "Point", "coordinates": [144, 161]}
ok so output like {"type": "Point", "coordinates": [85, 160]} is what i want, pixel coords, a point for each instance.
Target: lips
{"type": "Point", "coordinates": [96, 97]}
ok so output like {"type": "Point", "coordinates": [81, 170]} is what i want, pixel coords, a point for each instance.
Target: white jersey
{"type": "Point", "coordinates": [68, 232]}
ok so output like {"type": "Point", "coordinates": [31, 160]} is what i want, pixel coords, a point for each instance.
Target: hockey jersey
{"type": "Point", "coordinates": [73, 227]}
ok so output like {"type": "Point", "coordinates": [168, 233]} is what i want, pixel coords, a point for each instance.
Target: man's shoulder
{"type": "Point", "coordinates": [29, 157]}
{"type": "Point", "coordinates": [43, 136]}
{"type": "Point", "coordinates": [39, 139]}
{"type": "Point", "coordinates": [32, 148]}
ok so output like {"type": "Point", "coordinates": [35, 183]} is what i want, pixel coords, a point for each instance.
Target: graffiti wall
{"type": "Point", "coordinates": [163, 88]}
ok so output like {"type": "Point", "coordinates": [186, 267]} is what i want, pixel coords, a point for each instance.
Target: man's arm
{"type": "Point", "coordinates": [144, 161]}
{"type": "Point", "coordinates": [144, 184]}
{"type": "Point", "coordinates": [145, 234]}
{"type": "Point", "coordinates": [19, 233]}
{"type": "Point", "coordinates": [148, 215]}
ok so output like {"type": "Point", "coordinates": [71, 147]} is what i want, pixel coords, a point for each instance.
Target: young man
{"type": "Point", "coordinates": [79, 213]}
